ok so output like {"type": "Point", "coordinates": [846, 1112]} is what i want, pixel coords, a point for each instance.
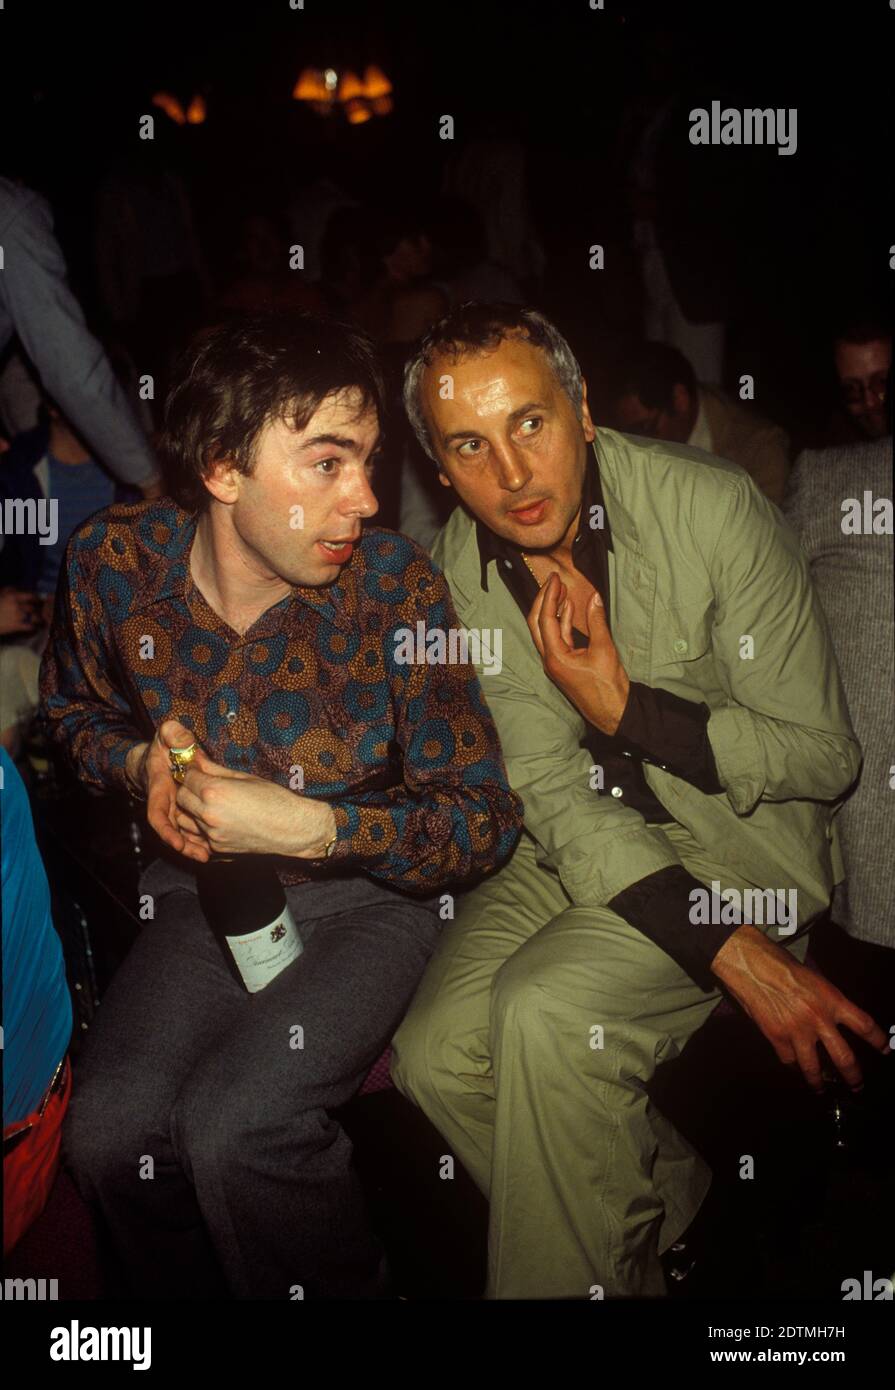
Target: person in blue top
{"type": "Point", "coordinates": [37, 1016]}
{"type": "Point", "coordinates": [47, 473]}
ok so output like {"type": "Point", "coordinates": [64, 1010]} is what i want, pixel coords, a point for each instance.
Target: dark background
{"type": "Point", "coordinates": [808, 237]}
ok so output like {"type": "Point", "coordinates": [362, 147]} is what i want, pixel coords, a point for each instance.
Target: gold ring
{"type": "Point", "coordinates": [180, 759]}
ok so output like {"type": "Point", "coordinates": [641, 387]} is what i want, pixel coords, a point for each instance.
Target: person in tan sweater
{"type": "Point", "coordinates": [657, 395]}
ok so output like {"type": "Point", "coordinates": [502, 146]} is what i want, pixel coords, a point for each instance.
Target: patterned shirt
{"type": "Point", "coordinates": [313, 696]}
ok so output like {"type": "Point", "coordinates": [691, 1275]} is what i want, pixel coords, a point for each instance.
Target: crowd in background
{"type": "Point", "coordinates": [662, 336]}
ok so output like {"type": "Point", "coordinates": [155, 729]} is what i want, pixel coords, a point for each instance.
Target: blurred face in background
{"type": "Point", "coordinates": [674, 424]}
{"type": "Point", "coordinates": [863, 369]}
{"type": "Point", "coordinates": [262, 244]}
{"type": "Point", "coordinates": [409, 260]}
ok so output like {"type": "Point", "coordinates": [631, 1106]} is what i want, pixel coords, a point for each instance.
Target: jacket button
{"type": "Point", "coordinates": [680, 645]}
{"type": "Point", "coordinates": [616, 791]}
{"type": "Point", "coordinates": [231, 715]}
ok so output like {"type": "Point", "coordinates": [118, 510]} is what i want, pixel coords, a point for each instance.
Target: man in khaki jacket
{"type": "Point", "coordinates": [657, 395]}
{"type": "Point", "coordinates": [670, 711]}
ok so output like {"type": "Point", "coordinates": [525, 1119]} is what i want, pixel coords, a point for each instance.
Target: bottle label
{"type": "Point", "coordinates": [261, 955]}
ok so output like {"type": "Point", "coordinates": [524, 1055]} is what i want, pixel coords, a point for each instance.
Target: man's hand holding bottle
{"type": "Point", "coordinates": [149, 774]}
{"type": "Point", "coordinates": [217, 811]}
{"type": "Point", "coordinates": [229, 822]}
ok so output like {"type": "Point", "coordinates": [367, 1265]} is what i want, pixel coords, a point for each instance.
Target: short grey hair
{"type": "Point", "coordinates": [476, 327]}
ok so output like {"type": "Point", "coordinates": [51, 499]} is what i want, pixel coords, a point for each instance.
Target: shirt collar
{"type": "Point", "coordinates": [169, 531]}
{"type": "Point", "coordinates": [700, 435]}
{"type": "Point", "coordinates": [494, 547]}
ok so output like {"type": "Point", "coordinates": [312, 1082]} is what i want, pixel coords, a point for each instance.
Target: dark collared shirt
{"type": "Point", "coordinates": [314, 696]}
{"type": "Point", "coordinates": [656, 727]}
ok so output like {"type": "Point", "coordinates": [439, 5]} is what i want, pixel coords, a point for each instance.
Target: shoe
{"type": "Point", "coordinates": [679, 1261]}
{"type": "Point", "coordinates": [689, 1250]}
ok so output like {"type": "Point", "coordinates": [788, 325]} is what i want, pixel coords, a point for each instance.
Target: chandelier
{"type": "Point", "coordinates": [327, 92]}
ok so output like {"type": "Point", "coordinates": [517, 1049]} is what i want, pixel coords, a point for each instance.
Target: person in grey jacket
{"type": "Point", "coordinates": [839, 502]}
{"type": "Point", "coordinates": [37, 304]}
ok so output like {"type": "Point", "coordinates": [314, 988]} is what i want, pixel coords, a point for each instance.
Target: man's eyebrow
{"type": "Point", "coordinates": [336, 441]}
{"type": "Point", "coordinates": [513, 416]}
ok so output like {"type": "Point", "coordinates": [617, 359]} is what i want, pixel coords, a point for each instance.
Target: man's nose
{"type": "Point", "coordinates": [513, 471]}
{"type": "Point", "coordinates": [359, 498]}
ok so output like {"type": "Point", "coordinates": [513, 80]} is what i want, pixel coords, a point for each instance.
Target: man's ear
{"type": "Point", "coordinates": [587, 423]}
{"type": "Point", "coordinates": [222, 480]}
{"type": "Point", "coordinates": [444, 479]}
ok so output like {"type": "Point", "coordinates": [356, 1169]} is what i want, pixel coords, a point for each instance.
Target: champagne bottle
{"type": "Point", "coordinates": [245, 906]}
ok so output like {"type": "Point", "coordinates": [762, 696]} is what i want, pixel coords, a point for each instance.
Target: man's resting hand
{"type": "Point", "coordinates": [239, 813]}
{"type": "Point", "coordinates": [796, 1008]}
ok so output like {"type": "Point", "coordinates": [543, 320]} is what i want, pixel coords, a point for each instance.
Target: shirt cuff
{"type": "Point", "coordinates": [665, 729]}
{"type": "Point", "coordinates": [110, 752]}
{"type": "Point", "coordinates": [357, 841]}
{"type": "Point", "coordinates": [663, 907]}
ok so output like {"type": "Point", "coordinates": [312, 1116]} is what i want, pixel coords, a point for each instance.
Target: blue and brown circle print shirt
{"type": "Point", "coordinates": [318, 693]}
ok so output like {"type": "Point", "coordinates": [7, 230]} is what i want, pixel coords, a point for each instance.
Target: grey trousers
{"type": "Point", "coordinates": [199, 1122]}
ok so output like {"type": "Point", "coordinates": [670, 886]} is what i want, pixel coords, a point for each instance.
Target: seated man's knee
{"type": "Point", "coordinates": [208, 1122]}
{"type": "Point", "coordinates": [102, 1136]}
{"type": "Point", "coordinates": [547, 1001]}
{"type": "Point", "coordinates": [524, 1004]}
{"type": "Point", "coordinates": [220, 1123]}
{"type": "Point", "coordinates": [427, 1048]}
{"type": "Point", "coordinates": [514, 991]}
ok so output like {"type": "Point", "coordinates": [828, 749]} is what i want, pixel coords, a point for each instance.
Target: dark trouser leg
{"type": "Point", "coordinates": [271, 1168]}
{"type": "Point", "coordinates": [211, 1085]}
{"type": "Point", "coordinates": [169, 1001]}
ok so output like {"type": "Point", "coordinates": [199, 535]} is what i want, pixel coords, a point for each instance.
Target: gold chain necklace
{"type": "Point", "coordinates": [533, 575]}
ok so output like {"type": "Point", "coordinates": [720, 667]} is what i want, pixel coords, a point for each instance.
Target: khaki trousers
{"type": "Point", "coordinates": [529, 1044]}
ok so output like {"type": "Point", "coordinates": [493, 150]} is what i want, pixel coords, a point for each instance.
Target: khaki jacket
{"type": "Point", "coordinates": [701, 562]}
{"type": "Point", "coordinates": [756, 444]}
